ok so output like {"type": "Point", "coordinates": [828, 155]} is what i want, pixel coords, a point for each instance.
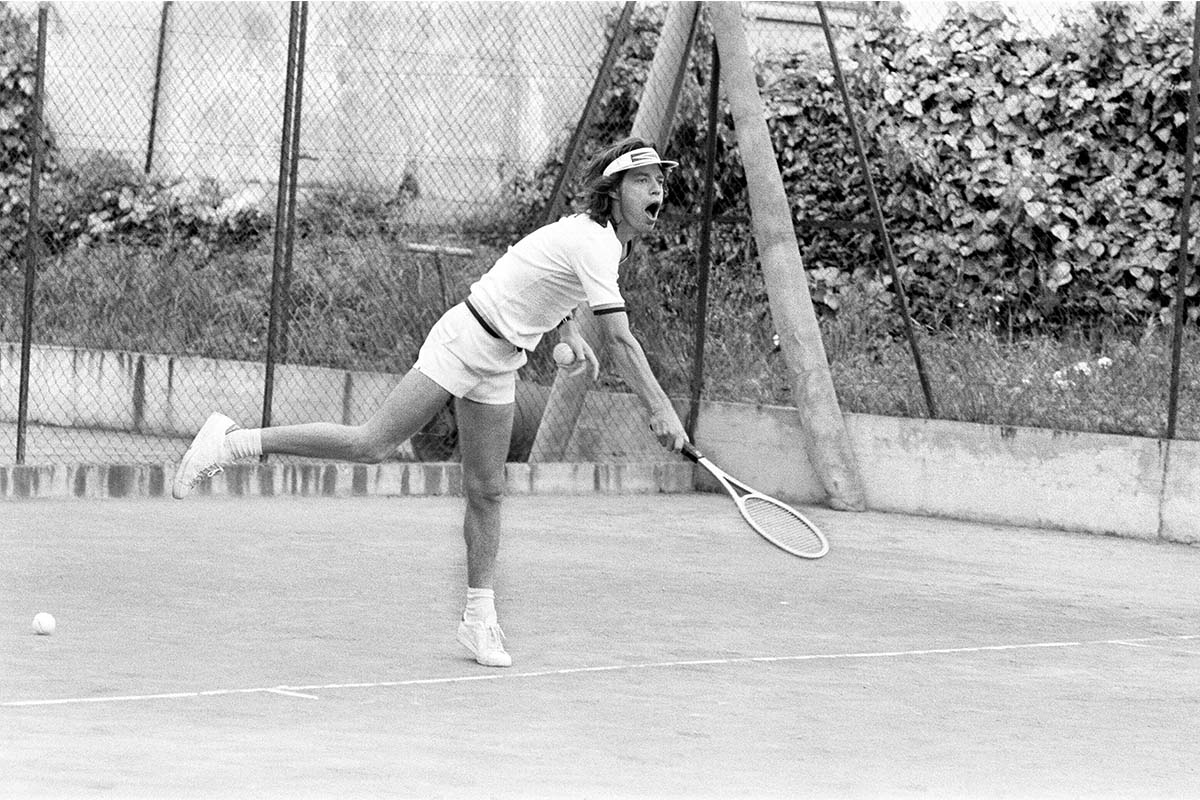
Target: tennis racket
{"type": "Point", "coordinates": [774, 520]}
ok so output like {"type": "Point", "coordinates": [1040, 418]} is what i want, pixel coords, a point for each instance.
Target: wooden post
{"type": "Point", "coordinates": [660, 99]}
{"type": "Point", "coordinates": [664, 82]}
{"type": "Point", "coordinates": [821, 420]}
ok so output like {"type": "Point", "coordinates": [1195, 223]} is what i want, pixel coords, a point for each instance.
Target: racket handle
{"type": "Point", "coordinates": [691, 453]}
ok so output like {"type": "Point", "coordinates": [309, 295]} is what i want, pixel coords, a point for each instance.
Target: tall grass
{"type": "Point", "coordinates": [1115, 383]}
{"type": "Point", "coordinates": [352, 303]}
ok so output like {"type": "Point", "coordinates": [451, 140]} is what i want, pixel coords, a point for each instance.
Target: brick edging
{"type": "Point", "coordinates": [396, 479]}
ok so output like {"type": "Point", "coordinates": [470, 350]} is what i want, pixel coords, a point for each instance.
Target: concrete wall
{"type": "Point", "coordinates": [172, 395]}
{"type": "Point", "coordinates": [167, 395]}
{"type": "Point", "coordinates": [1094, 483]}
{"type": "Point", "coordinates": [1086, 482]}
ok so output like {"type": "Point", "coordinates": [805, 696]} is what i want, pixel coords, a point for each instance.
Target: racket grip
{"type": "Point", "coordinates": [691, 453]}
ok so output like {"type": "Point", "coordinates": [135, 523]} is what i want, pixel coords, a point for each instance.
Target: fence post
{"type": "Point", "coordinates": [293, 169]}
{"type": "Point", "coordinates": [282, 205]}
{"type": "Point", "coordinates": [880, 225]}
{"type": "Point", "coordinates": [1185, 221]}
{"type": "Point", "coordinates": [705, 260]}
{"type": "Point", "coordinates": [157, 93]}
{"type": "Point", "coordinates": [32, 232]}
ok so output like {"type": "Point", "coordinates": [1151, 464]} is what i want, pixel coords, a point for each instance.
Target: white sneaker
{"type": "Point", "coordinates": [206, 457]}
{"type": "Point", "coordinates": [485, 640]}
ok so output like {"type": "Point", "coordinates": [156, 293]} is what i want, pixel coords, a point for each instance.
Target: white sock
{"type": "Point", "coordinates": [243, 443]}
{"type": "Point", "coordinates": [481, 605]}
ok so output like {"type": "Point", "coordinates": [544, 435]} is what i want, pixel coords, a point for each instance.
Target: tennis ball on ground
{"type": "Point", "coordinates": [563, 354]}
{"type": "Point", "coordinates": [43, 624]}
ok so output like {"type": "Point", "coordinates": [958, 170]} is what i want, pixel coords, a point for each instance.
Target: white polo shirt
{"type": "Point", "coordinates": [546, 275]}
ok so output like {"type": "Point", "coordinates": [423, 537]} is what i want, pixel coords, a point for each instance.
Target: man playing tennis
{"type": "Point", "coordinates": [473, 353]}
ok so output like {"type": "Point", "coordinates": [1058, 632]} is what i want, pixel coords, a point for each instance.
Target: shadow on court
{"type": "Point", "coordinates": [304, 647]}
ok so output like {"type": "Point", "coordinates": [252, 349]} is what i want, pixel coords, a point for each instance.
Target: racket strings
{"type": "Point", "coordinates": [785, 527]}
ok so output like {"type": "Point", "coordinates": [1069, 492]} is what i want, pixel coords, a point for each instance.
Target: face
{"type": "Point", "coordinates": [639, 200]}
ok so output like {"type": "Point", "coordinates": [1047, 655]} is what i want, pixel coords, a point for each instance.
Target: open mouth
{"type": "Point", "coordinates": [652, 210]}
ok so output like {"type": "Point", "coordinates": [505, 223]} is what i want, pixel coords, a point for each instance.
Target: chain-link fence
{"type": "Point", "coordinates": [418, 123]}
{"type": "Point", "coordinates": [174, 277]}
{"type": "Point", "coordinates": [1031, 164]}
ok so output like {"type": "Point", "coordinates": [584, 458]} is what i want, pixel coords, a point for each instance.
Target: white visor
{"type": "Point", "coordinates": [642, 157]}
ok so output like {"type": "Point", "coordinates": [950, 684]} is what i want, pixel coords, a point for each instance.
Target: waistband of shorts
{"type": "Point", "coordinates": [483, 323]}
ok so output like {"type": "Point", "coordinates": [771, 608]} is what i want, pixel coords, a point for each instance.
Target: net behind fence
{"type": "Point", "coordinates": [1039, 255]}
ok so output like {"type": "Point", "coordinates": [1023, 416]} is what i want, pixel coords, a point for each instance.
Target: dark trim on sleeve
{"type": "Point", "coordinates": [599, 312]}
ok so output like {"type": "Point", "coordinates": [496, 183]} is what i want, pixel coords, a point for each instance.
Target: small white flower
{"type": "Point", "coordinates": [1104, 362]}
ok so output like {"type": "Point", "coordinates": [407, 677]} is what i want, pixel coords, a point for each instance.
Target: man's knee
{"type": "Point", "coordinates": [371, 449]}
{"type": "Point", "coordinates": [484, 489]}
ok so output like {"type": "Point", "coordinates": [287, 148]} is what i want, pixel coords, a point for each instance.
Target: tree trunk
{"type": "Point", "coordinates": [795, 320]}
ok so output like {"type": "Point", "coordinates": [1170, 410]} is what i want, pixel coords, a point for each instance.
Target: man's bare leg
{"type": "Point", "coordinates": [484, 434]}
{"type": "Point", "coordinates": [409, 406]}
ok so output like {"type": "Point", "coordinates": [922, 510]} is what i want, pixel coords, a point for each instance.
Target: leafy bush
{"type": "Point", "coordinates": [1028, 181]}
{"type": "Point", "coordinates": [103, 199]}
{"type": "Point", "coordinates": [100, 198]}
{"type": "Point", "coordinates": [1031, 176]}
{"type": "Point", "coordinates": [354, 211]}
{"type": "Point", "coordinates": [18, 77]}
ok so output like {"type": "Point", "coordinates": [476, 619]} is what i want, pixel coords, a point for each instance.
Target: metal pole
{"type": "Point", "coordinates": [880, 225]}
{"type": "Point", "coordinates": [1185, 216]}
{"type": "Point", "coordinates": [281, 204]}
{"type": "Point", "coordinates": [32, 232]}
{"type": "Point", "coordinates": [705, 260]}
{"type": "Point", "coordinates": [603, 77]}
{"type": "Point", "coordinates": [293, 169]}
{"type": "Point", "coordinates": [158, 71]}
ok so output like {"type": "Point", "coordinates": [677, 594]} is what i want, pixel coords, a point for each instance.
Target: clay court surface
{"type": "Point", "coordinates": [305, 648]}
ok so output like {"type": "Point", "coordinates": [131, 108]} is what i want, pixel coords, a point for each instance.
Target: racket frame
{"type": "Point", "coordinates": [732, 486]}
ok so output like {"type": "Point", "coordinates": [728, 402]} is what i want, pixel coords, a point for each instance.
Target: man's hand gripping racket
{"type": "Point", "coordinates": [774, 520]}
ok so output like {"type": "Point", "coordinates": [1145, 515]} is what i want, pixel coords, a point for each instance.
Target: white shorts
{"type": "Point", "coordinates": [468, 362]}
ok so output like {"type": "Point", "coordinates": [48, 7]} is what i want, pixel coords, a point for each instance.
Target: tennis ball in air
{"type": "Point", "coordinates": [43, 624]}
{"type": "Point", "coordinates": [563, 354]}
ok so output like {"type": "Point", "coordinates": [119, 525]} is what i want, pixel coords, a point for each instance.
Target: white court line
{"type": "Point", "coordinates": [1142, 644]}
{"type": "Point", "coordinates": [307, 691]}
{"type": "Point", "coordinates": [289, 693]}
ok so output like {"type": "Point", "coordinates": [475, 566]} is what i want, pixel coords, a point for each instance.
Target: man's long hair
{"type": "Point", "coordinates": [595, 199]}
